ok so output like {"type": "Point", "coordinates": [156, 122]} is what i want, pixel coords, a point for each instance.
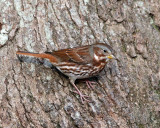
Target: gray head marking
{"type": "Point", "coordinates": [105, 47]}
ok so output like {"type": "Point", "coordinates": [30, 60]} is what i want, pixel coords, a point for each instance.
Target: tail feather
{"type": "Point", "coordinates": [43, 58]}
{"type": "Point", "coordinates": [50, 57]}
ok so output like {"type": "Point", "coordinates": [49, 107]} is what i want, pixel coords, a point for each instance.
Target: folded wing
{"type": "Point", "coordinates": [80, 55]}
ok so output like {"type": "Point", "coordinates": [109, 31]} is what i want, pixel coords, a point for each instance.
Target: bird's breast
{"type": "Point", "coordinates": [80, 71]}
{"type": "Point", "coordinates": [97, 68]}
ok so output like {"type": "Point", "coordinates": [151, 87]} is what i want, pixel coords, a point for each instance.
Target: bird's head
{"type": "Point", "coordinates": [102, 52]}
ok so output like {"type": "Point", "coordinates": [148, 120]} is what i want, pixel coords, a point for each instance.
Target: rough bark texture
{"type": "Point", "coordinates": [128, 92]}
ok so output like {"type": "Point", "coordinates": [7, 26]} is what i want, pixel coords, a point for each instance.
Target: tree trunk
{"type": "Point", "coordinates": [127, 93]}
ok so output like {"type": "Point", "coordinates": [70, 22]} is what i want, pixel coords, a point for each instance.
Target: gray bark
{"type": "Point", "coordinates": [127, 94]}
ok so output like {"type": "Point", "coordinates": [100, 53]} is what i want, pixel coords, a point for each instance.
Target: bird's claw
{"type": "Point", "coordinates": [90, 84]}
{"type": "Point", "coordinates": [83, 97]}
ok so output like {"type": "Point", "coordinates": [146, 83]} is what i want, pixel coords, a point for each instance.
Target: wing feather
{"type": "Point", "coordinates": [79, 55]}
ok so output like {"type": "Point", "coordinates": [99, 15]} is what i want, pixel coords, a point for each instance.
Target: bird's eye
{"type": "Point", "coordinates": [104, 50]}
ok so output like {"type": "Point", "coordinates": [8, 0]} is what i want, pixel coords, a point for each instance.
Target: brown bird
{"type": "Point", "coordinates": [76, 63]}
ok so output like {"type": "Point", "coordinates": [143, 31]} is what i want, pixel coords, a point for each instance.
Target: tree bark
{"type": "Point", "coordinates": [127, 93]}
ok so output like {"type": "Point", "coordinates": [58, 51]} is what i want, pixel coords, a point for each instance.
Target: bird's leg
{"type": "Point", "coordinates": [90, 84]}
{"type": "Point", "coordinates": [83, 97]}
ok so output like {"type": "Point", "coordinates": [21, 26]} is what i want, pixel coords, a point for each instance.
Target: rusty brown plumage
{"type": "Point", "coordinates": [77, 63]}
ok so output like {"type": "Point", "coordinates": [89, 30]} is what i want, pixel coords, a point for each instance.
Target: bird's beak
{"type": "Point", "coordinates": [110, 57]}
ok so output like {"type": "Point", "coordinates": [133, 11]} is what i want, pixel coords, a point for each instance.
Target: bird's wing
{"type": "Point", "coordinates": [81, 55]}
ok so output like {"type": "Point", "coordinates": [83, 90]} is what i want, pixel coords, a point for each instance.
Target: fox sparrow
{"type": "Point", "coordinates": [76, 63]}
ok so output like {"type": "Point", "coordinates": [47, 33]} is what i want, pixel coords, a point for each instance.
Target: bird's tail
{"type": "Point", "coordinates": [42, 58]}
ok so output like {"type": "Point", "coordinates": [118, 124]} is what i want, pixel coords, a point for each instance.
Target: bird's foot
{"type": "Point", "coordinates": [82, 96]}
{"type": "Point", "coordinates": [90, 84]}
